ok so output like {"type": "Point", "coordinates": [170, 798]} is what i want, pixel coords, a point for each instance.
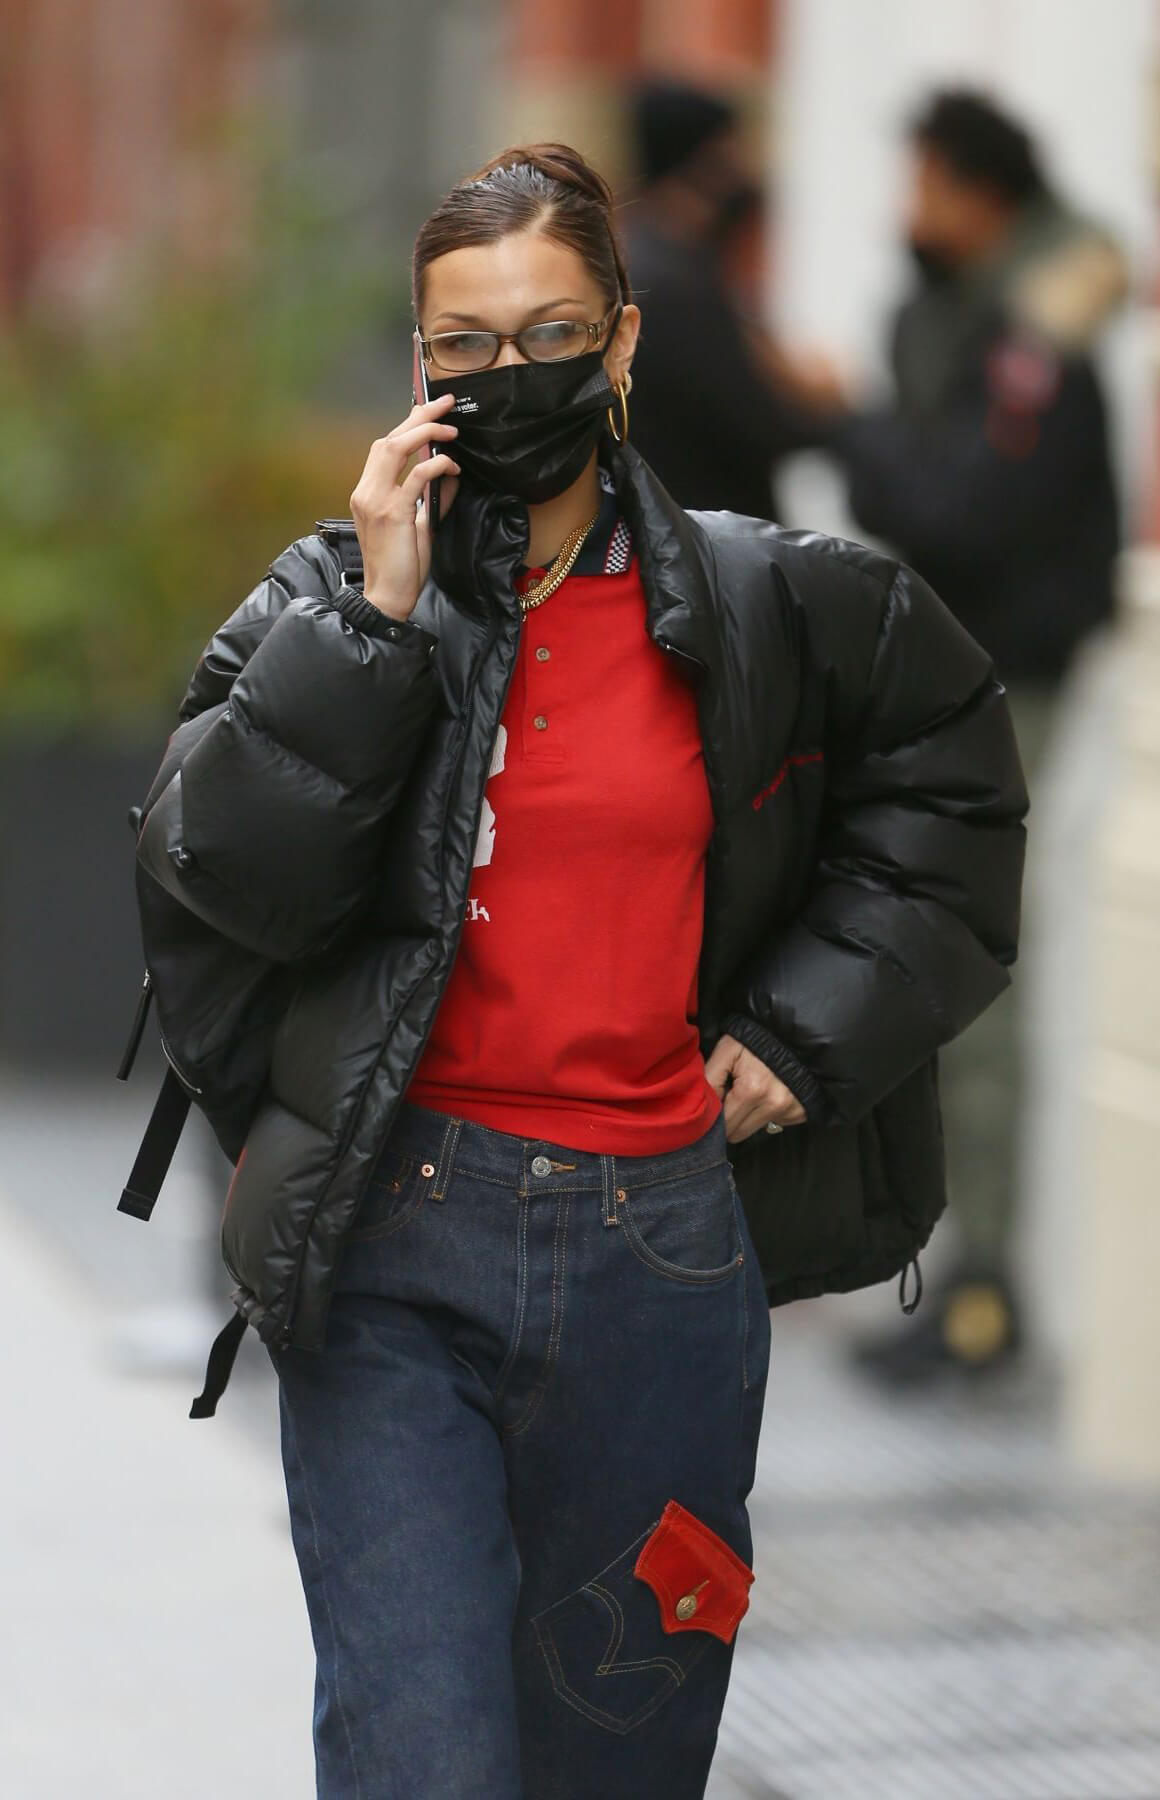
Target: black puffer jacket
{"type": "Point", "coordinates": [306, 849]}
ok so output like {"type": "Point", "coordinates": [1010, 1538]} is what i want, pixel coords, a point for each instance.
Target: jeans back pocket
{"type": "Point", "coordinates": [606, 1653]}
{"type": "Point", "coordinates": [623, 1644]}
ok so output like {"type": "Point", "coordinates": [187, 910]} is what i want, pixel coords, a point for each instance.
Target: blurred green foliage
{"type": "Point", "coordinates": [152, 465]}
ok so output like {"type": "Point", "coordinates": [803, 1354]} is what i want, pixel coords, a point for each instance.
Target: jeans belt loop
{"type": "Point", "coordinates": [446, 1158]}
{"type": "Point", "coordinates": [608, 1190]}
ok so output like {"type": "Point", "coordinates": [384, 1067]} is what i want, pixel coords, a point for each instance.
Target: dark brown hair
{"type": "Point", "coordinates": [542, 187]}
{"type": "Point", "coordinates": [981, 144]}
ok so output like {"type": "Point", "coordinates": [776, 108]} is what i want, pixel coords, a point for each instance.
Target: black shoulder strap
{"type": "Point", "coordinates": [170, 1111]}
{"type": "Point", "coordinates": [342, 538]}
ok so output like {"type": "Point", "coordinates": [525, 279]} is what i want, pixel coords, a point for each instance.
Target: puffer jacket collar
{"type": "Point", "coordinates": [476, 550]}
{"type": "Point", "coordinates": [672, 557]}
{"type": "Point", "coordinates": [485, 536]}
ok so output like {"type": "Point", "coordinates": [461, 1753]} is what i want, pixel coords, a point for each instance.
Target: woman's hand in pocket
{"type": "Point", "coordinates": [752, 1094]}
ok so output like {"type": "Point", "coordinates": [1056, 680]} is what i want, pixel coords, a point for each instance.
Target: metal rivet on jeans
{"type": "Point", "coordinates": [541, 1165]}
{"type": "Point", "coordinates": [427, 1169]}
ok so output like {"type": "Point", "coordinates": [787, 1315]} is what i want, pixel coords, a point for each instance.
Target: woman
{"type": "Point", "coordinates": [494, 917]}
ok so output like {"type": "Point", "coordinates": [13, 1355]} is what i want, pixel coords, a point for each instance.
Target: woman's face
{"type": "Point", "coordinates": [521, 279]}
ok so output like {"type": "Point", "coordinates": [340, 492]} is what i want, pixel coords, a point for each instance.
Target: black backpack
{"type": "Point", "coordinates": [228, 1114]}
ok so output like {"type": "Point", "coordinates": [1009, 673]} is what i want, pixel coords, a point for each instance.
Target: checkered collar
{"type": "Point", "coordinates": [608, 546]}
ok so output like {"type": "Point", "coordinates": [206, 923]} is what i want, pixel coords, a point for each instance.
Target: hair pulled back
{"type": "Point", "coordinates": [542, 187]}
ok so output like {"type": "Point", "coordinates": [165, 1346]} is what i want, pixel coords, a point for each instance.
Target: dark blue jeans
{"type": "Point", "coordinates": [531, 1350]}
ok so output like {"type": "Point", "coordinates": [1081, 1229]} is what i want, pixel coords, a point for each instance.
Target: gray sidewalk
{"type": "Point", "coordinates": [940, 1612]}
{"type": "Point", "coordinates": [154, 1639]}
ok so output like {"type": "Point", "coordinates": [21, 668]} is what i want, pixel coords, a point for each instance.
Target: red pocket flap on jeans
{"type": "Point", "coordinates": [700, 1583]}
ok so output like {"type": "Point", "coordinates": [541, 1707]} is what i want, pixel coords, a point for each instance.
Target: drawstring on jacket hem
{"type": "Point", "coordinates": [910, 1306]}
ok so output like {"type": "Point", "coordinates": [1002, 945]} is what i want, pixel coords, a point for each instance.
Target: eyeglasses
{"type": "Point", "coordinates": [467, 352]}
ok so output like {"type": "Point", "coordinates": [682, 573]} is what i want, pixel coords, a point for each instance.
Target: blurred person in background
{"type": "Point", "coordinates": [991, 472]}
{"type": "Point", "coordinates": [710, 413]}
{"type": "Point", "coordinates": [505, 892]}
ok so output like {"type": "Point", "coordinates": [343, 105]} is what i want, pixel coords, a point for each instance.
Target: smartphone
{"type": "Point", "coordinates": [419, 394]}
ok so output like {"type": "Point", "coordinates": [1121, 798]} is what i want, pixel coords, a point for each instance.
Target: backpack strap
{"type": "Point", "coordinates": [341, 537]}
{"type": "Point", "coordinates": [145, 998]}
{"type": "Point", "coordinates": [218, 1369]}
{"type": "Point", "coordinates": [170, 1111]}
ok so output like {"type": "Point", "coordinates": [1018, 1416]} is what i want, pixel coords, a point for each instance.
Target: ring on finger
{"type": "Point", "coordinates": [774, 1127]}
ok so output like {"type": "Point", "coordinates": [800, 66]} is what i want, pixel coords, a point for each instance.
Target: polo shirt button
{"type": "Point", "coordinates": [543, 653]}
{"type": "Point", "coordinates": [541, 1165]}
{"type": "Point", "coordinates": [540, 723]}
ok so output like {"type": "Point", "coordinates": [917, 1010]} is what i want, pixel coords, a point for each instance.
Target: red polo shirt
{"type": "Point", "coordinates": [570, 1012]}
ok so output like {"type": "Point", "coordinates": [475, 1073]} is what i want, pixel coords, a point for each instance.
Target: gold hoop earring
{"type": "Point", "coordinates": [621, 436]}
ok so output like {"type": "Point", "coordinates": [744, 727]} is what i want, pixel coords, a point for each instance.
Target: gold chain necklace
{"type": "Point", "coordinates": [561, 567]}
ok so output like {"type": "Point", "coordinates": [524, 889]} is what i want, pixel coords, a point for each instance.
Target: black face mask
{"type": "Point", "coordinates": [528, 428]}
{"type": "Point", "coordinates": [935, 267]}
{"type": "Point", "coordinates": [737, 206]}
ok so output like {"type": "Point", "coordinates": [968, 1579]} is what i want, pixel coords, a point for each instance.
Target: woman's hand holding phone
{"type": "Point", "coordinates": [392, 526]}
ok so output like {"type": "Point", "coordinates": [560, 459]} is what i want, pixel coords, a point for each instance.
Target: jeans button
{"type": "Point", "coordinates": [541, 1165]}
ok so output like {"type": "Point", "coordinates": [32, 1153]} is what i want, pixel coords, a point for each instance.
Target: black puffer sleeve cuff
{"type": "Point", "coordinates": [781, 1059]}
{"type": "Point", "coordinates": [358, 611]}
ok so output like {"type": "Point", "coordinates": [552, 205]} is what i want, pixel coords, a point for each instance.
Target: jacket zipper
{"type": "Point", "coordinates": [137, 1031]}
{"type": "Point", "coordinates": [685, 655]}
{"type": "Point", "coordinates": [169, 1057]}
